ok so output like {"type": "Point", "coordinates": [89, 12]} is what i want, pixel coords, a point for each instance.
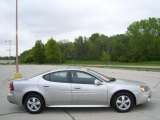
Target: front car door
{"type": "Point", "coordinates": [56, 88]}
{"type": "Point", "coordinates": [85, 92]}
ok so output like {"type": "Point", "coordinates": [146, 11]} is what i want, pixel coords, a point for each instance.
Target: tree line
{"type": "Point", "coordinates": [141, 42]}
{"type": "Point", "coordinates": [7, 58]}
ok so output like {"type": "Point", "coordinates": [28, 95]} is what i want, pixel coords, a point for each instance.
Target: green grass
{"type": "Point", "coordinates": [79, 62]}
{"type": "Point", "coordinates": [118, 65]}
{"type": "Point", "coordinates": [84, 62]}
{"type": "Point", "coordinates": [146, 63]}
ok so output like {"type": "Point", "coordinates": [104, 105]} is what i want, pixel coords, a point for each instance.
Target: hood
{"type": "Point", "coordinates": [128, 82]}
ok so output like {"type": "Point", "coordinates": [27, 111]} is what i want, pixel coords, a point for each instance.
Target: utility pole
{"type": "Point", "coordinates": [17, 74]}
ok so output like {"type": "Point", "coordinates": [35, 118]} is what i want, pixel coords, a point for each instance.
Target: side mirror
{"type": "Point", "coordinates": [97, 82]}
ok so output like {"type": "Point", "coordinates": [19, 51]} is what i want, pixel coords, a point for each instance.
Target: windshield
{"type": "Point", "coordinates": [99, 75]}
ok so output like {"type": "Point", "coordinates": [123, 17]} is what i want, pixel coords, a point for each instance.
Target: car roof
{"type": "Point", "coordinates": [61, 69]}
{"type": "Point", "coordinates": [70, 68]}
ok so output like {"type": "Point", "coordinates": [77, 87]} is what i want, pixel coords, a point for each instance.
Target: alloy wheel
{"type": "Point", "coordinates": [33, 104]}
{"type": "Point", "coordinates": [123, 102]}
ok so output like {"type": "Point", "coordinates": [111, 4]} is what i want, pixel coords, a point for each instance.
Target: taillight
{"type": "Point", "coordinates": [11, 86]}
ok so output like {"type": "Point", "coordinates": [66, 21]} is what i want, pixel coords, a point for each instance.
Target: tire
{"type": "Point", "coordinates": [34, 103]}
{"type": "Point", "coordinates": [123, 102]}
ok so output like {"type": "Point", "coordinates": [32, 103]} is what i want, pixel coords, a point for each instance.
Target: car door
{"type": "Point", "coordinates": [85, 92]}
{"type": "Point", "coordinates": [56, 88]}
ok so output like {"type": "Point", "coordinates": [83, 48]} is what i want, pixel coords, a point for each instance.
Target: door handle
{"type": "Point", "coordinates": [46, 86]}
{"type": "Point", "coordinates": [77, 88]}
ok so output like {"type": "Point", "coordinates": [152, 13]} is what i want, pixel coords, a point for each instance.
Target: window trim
{"type": "Point", "coordinates": [71, 71]}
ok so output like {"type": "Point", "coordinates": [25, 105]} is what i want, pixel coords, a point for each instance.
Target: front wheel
{"type": "Point", "coordinates": [34, 103]}
{"type": "Point", "coordinates": [123, 102]}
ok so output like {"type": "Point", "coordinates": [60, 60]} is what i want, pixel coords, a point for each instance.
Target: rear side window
{"type": "Point", "coordinates": [61, 76]}
{"type": "Point", "coordinates": [46, 77]}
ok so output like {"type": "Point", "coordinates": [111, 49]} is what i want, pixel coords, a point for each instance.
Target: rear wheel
{"type": "Point", "coordinates": [123, 102]}
{"type": "Point", "coordinates": [34, 103]}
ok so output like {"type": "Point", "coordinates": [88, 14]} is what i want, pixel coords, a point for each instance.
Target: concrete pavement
{"type": "Point", "coordinates": [148, 111]}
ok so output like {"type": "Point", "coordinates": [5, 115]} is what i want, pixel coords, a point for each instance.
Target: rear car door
{"type": "Point", "coordinates": [85, 92]}
{"type": "Point", "coordinates": [56, 87]}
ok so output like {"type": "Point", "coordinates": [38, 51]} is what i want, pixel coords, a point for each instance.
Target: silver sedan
{"type": "Point", "coordinates": [77, 87]}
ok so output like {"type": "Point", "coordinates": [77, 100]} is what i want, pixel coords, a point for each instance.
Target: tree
{"type": "Point", "coordinates": [105, 57]}
{"type": "Point", "coordinates": [141, 42]}
{"type": "Point", "coordinates": [26, 56]}
{"type": "Point", "coordinates": [81, 48]}
{"type": "Point", "coordinates": [38, 52]}
{"type": "Point", "coordinates": [67, 50]}
{"type": "Point", "coordinates": [52, 52]}
{"type": "Point", "coordinates": [97, 44]}
{"type": "Point", "coordinates": [144, 37]}
{"type": "Point", "coordinates": [119, 47]}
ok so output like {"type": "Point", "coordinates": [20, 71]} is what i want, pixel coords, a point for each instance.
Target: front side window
{"type": "Point", "coordinates": [61, 76]}
{"type": "Point", "coordinates": [82, 78]}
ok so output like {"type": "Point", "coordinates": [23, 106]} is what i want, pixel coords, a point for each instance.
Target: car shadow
{"type": "Point", "coordinates": [80, 109]}
{"type": "Point", "coordinates": [142, 107]}
{"type": "Point", "coordinates": [147, 106]}
{"type": "Point", "coordinates": [88, 110]}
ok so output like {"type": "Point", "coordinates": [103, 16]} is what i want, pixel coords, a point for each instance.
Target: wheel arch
{"type": "Point", "coordinates": [122, 91]}
{"type": "Point", "coordinates": [32, 92]}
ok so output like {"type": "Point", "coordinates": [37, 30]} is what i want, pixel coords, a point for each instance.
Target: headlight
{"type": "Point", "coordinates": [144, 88]}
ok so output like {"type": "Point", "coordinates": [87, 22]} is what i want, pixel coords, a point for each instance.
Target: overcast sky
{"type": "Point", "coordinates": [67, 19]}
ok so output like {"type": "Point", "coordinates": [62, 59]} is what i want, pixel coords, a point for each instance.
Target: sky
{"type": "Point", "coordinates": [68, 19]}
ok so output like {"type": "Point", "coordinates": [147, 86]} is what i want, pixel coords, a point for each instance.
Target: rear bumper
{"type": "Point", "coordinates": [12, 98]}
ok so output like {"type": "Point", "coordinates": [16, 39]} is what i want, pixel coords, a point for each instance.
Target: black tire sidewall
{"type": "Point", "coordinates": [40, 99]}
{"type": "Point", "coordinates": [131, 97]}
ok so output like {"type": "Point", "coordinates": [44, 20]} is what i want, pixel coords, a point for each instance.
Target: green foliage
{"type": "Point", "coordinates": [7, 58]}
{"type": "Point", "coordinates": [140, 43]}
{"type": "Point", "coordinates": [38, 52]}
{"type": "Point", "coordinates": [105, 57]}
{"type": "Point", "coordinates": [26, 56]}
{"type": "Point", "coordinates": [97, 44]}
{"type": "Point", "coordinates": [144, 37]}
{"type": "Point", "coordinates": [67, 50]}
{"type": "Point", "coordinates": [119, 47]}
{"type": "Point", "coordinates": [80, 48]}
{"type": "Point", "coordinates": [52, 52]}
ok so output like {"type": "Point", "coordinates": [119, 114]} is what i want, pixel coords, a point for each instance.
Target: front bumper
{"type": "Point", "coordinates": [143, 97]}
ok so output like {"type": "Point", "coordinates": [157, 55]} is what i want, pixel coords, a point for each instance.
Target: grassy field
{"type": "Point", "coordinates": [7, 61]}
{"type": "Point", "coordinates": [148, 63]}
{"type": "Point", "coordinates": [144, 66]}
